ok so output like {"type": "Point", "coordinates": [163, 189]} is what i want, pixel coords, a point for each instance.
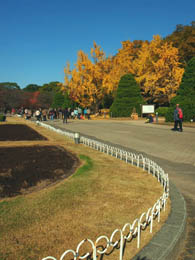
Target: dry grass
{"type": "Point", "coordinates": [101, 198]}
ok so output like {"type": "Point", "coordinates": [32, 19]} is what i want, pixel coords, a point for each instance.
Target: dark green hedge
{"type": "Point", "coordinates": [2, 118]}
{"type": "Point", "coordinates": [162, 111]}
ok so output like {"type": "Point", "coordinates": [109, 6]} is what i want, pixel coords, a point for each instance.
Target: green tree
{"type": "Point", "coordinates": [53, 86]}
{"type": "Point", "coordinates": [67, 101]}
{"type": "Point", "coordinates": [185, 94]}
{"type": "Point", "coordinates": [31, 88]}
{"type": "Point", "coordinates": [183, 38]}
{"type": "Point", "coordinates": [9, 85]}
{"type": "Point", "coordinates": [58, 100]}
{"type": "Point", "coordinates": [128, 97]}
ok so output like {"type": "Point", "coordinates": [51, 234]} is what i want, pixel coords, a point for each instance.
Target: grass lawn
{"type": "Point", "coordinates": [102, 195]}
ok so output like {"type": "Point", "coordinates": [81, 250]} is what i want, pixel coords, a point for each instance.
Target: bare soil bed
{"type": "Point", "coordinates": [22, 169]}
{"type": "Point", "coordinates": [18, 132]}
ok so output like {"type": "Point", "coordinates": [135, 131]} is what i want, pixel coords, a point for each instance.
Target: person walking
{"type": "Point", "coordinates": [79, 112]}
{"type": "Point", "coordinates": [44, 114]}
{"type": "Point", "coordinates": [178, 118]}
{"type": "Point", "coordinates": [38, 115]}
{"type": "Point", "coordinates": [76, 113]}
{"type": "Point", "coordinates": [65, 115]}
{"type": "Point", "coordinates": [88, 113]}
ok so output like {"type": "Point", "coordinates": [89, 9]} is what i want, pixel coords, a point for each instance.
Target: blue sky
{"type": "Point", "coordinates": [38, 37]}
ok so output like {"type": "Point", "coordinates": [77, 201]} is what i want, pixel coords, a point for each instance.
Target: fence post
{"type": "Point", "coordinates": [138, 234]}
{"type": "Point", "coordinates": [121, 246]}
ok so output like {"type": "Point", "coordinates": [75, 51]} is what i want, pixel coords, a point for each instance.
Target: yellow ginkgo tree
{"type": "Point", "coordinates": [155, 66]}
{"type": "Point", "coordinates": [158, 70]}
{"type": "Point", "coordinates": [122, 63]}
{"type": "Point", "coordinates": [85, 81]}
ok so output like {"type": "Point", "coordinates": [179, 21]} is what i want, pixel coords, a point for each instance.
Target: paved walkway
{"type": "Point", "coordinates": [174, 151]}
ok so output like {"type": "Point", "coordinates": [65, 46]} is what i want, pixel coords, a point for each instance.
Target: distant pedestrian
{"type": "Point", "coordinates": [38, 114]}
{"type": "Point", "coordinates": [88, 113]}
{"type": "Point", "coordinates": [75, 113]}
{"type": "Point", "coordinates": [178, 118]}
{"type": "Point", "coordinates": [65, 115]}
{"type": "Point", "coordinates": [44, 114]}
{"type": "Point", "coordinates": [79, 112]}
{"type": "Point", "coordinates": [72, 114]}
{"type": "Point", "coordinates": [51, 114]}
{"type": "Point", "coordinates": [85, 112]}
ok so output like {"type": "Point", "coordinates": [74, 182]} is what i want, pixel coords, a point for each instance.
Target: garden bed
{"type": "Point", "coordinates": [24, 169]}
{"type": "Point", "coordinates": [18, 132]}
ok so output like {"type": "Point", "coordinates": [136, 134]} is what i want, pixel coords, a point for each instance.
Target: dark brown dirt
{"type": "Point", "coordinates": [24, 169]}
{"type": "Point", "coordinates": [18, 132]}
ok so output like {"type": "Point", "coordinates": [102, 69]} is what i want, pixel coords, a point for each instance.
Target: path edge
{"type": "Point", "coordinates": [167, 243]}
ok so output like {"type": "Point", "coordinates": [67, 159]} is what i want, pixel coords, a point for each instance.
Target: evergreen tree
{"type": "Point", "coordinates": [31, 88]}
{"type": "Point", "coordinates": [58, 100]}
{"type": "Point", "coordinates": [9, 85]}
{"type": "Point", "coordinates": [128, 97]}
{"type": "Point", "coordinates": [185, 94]}
{"type": "Point", "coordinates": [67, 102]}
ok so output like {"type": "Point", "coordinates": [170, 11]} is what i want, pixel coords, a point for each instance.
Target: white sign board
{"type": "Point", "coordinates": [147, 109]}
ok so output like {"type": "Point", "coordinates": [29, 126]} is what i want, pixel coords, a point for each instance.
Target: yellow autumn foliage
{"type": "Point", "coordinates": [154, 64]}
{"type": "Point", "coordinates": [85, 81]}
{"type": "Point", "coordinates": [158, 70]}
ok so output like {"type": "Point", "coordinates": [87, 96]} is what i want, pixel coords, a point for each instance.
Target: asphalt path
{"type": "Point", "coordinates": [173, 151]}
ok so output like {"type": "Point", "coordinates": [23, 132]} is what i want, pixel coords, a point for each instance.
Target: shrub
{"type": "Point", "coordinates": [2, 118]}
{"type": "Point", "coordinates": [162, 111]}
{"type": "Point", "coordinates": [128, 97]}
{"type": "Point", "coordinates": [169, 115]}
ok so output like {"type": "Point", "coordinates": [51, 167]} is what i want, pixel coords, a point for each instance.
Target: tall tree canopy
{"type": "Point", "coordinates": [158, 71]}
{"type": "Point", "coordinates": [154, 64]}
{"type": "Point", "coordinates": [122, 63]}
{"type": "Point", "coordinates": [9, 85]}
{"type": "Point", "coordinates": [53, 86]}
{"type": "Point", "coordinates": [183, 38]}
{"type": "Point", "coordinates": [85, 82]}
{"type": "Point", "coordinates": [31, 88]}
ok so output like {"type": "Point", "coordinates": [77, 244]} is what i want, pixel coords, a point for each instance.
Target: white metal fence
{"type": "Point", "coordinates": [129, 230]}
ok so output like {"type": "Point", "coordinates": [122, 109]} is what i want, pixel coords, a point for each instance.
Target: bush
{"type": "Point", "coordinates": [169, 115]}
{"type": "Point", "coordinates": [162, 111]}
{"type": "Point", "coordinates": [2, 118]}
{"type": "Point", "coordinates": [128, 97]}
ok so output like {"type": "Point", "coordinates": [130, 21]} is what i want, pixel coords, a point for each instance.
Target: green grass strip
{"type": "Point", "coordinates": [84, 170]}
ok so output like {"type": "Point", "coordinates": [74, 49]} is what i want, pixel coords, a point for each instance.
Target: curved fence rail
{"type": "Point", "coordinates": [129, 230]}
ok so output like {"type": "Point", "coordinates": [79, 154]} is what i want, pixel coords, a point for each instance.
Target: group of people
{"type": "Point", "coordinates": [51, 114]}
{"type": "Point", "coordinates": [69, 113]}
